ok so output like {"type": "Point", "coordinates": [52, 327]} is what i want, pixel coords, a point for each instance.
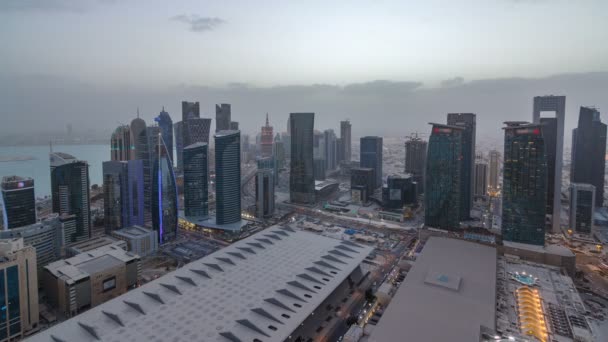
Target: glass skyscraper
{"type": "Point", "coordinates": [18, 202]}
{"type": "Point", "coordinates": [120, 144]}
{"type": "Point", "coordinates": [264, 187]}
{"type": "Point", "coordinates": [301, 178]}
{"type": "Point", "coordinates": [443, 177]}
{"type": "Point", "coordinates": [196, 180]}
{"type": "Point", "coordinates": [166, 128]}
{"type": "Point", "coordinates": [582, 207]}
{"type": "Point", "coordinates": [415, 160]}
{"type": "Point", "coordinates": [222, 117]}
{"type": "Point", "coordinates": [164, 194]}
{"type": "Point", "coordinates": [468, 122]}
{"type": "Point", "coordinates": [141, 151]}
{"type": "Point", "coordinates": [524, 186]}
{"type": "Point", "coordinates": [228, 177]}
{"type": "Point", "coordinates": [115, 195]}
{"type": "Point", "coordinates": [371, 157]}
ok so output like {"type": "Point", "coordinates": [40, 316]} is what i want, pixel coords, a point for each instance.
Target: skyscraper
{"type": "Point", "coordinates": [70, 193]}
{"type": "Point", "coordinates": [493, 178]}
{"type": "Point", "coordinates": [481, 178]}
{"type": "Point", "coordinates": [135, 184]}
{"type": "Point", "coordinates": [120, 144]}
{"type": "Point", "coordinates": [363, 179]}
{"type": "Point", "coordinates": [222, 117]}
{"type": "Point", "coordinates": [228, 177]}
{"type": "Point", "coordinates": [267, 139]}
{"type": "Point", "coordinates": [524, 185]}
{"type": "Point", "coordinates": [164, 194]}
{"type": "Point", "coordinates": [553, 134]}
{"type": "Point", "coordinates": [589, 151]}
{"type": "Point", "coordinates": [196, 130]}
{"type": "Point", "coordinates": [371, 157]}
{"type": "Point", "coordinates": [178, 129]}
{"type": "Point", "coordinates": [115, 195]}
{"type": "Point", "coordinates": [468, 122]}
{"type": "Point", "coordinates": [279, 152]}
{"type": "Point", "coordinates": [443, 177]}
{"type": "Point", "coordinates": [415, 160]}
{"type": "Point", "coordinates": [196, 180]}
{"type": "Point", "coordinates": [141, 151]}
{"type": "Point", "coordinates": [346, 140]}
{"type": "Point", "coordinates": [582, 207]}
{"type": "Point", "coordinates": [301, 178]}
{"type": "Point", "coordinates": [264, 188]}
{"type": "Point", "coordinates": [234, 125]}
{"type": "Point", "coordinates": [190, 110]}
{"type": "Point", "coordinates": [166, 128]}
{"type": "Point", "coordinates": [330, 145]}
{"type": "Point", "coordinates": [18, 202]}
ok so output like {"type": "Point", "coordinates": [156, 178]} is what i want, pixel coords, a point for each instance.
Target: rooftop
{"type": "Point", "coordinates": [259, 288]}
{"type": "Point", "coordinates": [132, 232]}
{"type": "Point", "coordinates": [450, 278]}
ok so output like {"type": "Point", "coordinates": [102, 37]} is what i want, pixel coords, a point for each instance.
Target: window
{"type": "Point", "coordinates": [109, 284]}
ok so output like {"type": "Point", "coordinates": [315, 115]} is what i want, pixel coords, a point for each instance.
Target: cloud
{"type": "Point", "coordinates": [452, 82]}
{"type": "Point", "coordinates": [197, 23]}
{"type": "Point", "coordinates": [74, 6]}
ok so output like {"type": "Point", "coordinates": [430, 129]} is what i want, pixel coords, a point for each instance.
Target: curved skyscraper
{"type": "Point", "coordinates": [166, 128]}
{"type": "Point", "coordinates": [164, 195]}
{"type": "Point", "coordinates": [301, 178]}
{"type": "Point", "coordinates": [228, 176]}
{"type": "Point", "coordinates": [18, 202]}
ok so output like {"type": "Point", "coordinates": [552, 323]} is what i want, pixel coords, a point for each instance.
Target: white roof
{"type": "Point", "coordinates": [234, 294]}
{"type": "Point", "coordinates": [447, 296]}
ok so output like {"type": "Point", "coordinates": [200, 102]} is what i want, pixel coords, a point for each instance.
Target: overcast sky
{"type": "Point", "coordinates": [92, 62]}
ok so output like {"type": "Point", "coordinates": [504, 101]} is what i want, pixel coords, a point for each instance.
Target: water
{"type": "Point", "coordinates": [39, 168]}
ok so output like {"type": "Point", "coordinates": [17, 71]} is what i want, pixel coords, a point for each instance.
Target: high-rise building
{"type": "Point", "coordinates": [589, 152]}
{"type": "Point", "coordinates": [331, 146]}
{"type": "Point", "coordinates": [18, 202]}
{"type": "Point", "coordinates": [266, 139]}
{"type": "Point", "coordinates": [164, 194]}
{"type": "Point", "coordinates": [443, 177]}
{"type": "Point", "coordinates": [363, 177]}
{"type": "Point", "coordinates": [319, 168]}
{"type": "Point", "coordinates": [524, 184]}
{"type": "Point", "coordinates": [228, 177]}
{"type": "Point", "coordinates": [234, 125]}
{"type": "Point", "coordinates": [264, 188]}
{"type": "Point", "coordinates": [345, 140]}
{"type": "Point", "coordinates": [141, 151]}
{"type": "Point", "coordinates": [481, 178]}
{"type": "Point", "coordinates": [166, 128]}
{"type": "Point", "coordinates": [19, 280]}
{"type": "Point", "coordinates": [582, 207]}
{"type": "Point", "coordinates": [115, 195]}
{"type": "Point", "coordinates": [190, 110]}
{"type": "Point", "coordinates": [301, 178]}
{"type": "Point", "coordinates": [135, 183]}
{"type": "Point", "coordinates": [400, 190]}
{"type": "Point", "coordinates": [196, 180]}
{"type": "Point", "coordinates": [222, 117]}
{"type": "Point", "coordinates": [468, 122]}
{"type": "Point", "coordinates": [178, 129]}
{"type": "Point", "coordinates": [279, 153]}
{"type": "Point", "coordinates": [120, 145]}
{"type": "Point", "coordinates": [196, 130]}
{"type": "Point", "coordinates": [371, 157]}
{"type": "Point", "coordinates": [415, 160]}
{"type": "Point", "coordinates": [493, 177]}
{"type": "Point", "coordinates": [70, 193]}
{"type": "Point", "coordinates": [553, 134]}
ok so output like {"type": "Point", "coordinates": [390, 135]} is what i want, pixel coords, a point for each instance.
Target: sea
{"type": "Point", "coordinates": [33, 161]}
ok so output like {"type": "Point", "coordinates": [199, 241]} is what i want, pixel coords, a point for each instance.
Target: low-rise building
{"type": "Point", "coordinates": [93, 243]}
{"type": "Point", "coordinates": [141, 241]}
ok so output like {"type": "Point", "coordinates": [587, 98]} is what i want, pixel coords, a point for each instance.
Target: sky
{"type": "Point", "coordinates": [93, 62]}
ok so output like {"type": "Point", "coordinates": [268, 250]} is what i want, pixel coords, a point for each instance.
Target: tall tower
{"type": "Point", "coordinates": [196, 180]}
{"type": "Point", "coordinates": [582, 207]}
{"type": "Point", "coordinates": [524, 185]}
{"type": "Point", "coordinates": [18, 202]}
{"type": "Point", "coordinates": [190, 110]}
{"type": "Point", "coordinates": [346, 140]}
{"type": "Point", "coordinates": [222, 117]}
{"type": "Point", "coordinates": [589, 151]}
{"type": "Point", "coordinates": [267, 139]}
{"type": "Point", "coordinates": [164, 193]}
{"type": "Point", "coordinates": [415, 160]}
{"type": "Point", "coordinates": [115, 195]}
{"type": "Point", "coordinates": [468, 122]}
{"type": "Point", "coordinates": [330, 140]}
{"type": "Point", "coordinates": [371, 157]}
{"type": "Point", "coordinates": [70, 193]}
{"type": "Point", "coordinates": [166, 128]}
{"type": "Point", "coordinates": [301, 177]}
{"type": "Point", "coordinates": [553, 134]}
{"type": "Point", "coordinates": [120, 144]}
{"type": "Point", "coordinates": [481, 178]}
{"type": "Point", "coordinates": [264, 188]}
{"type": "Point", "coordinates": [228, 176]}
{"type": "Point", "coordinates": [443, 177]}
{"type": "Point", "coordinates": [493, 178]}
{"type": "Point", "coordinates": [141, 151]}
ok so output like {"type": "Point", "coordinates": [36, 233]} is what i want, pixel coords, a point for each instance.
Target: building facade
{"type": "Point", "coordinates": [481, 179]}
{"type": "Point", "coordinates": [228, 176]}
{"type": "Point", "coordinates": [345, 141]}
{"type": "Point", "coordinates": [115, 195]}
{"type": "Point", "coordinates": [371, 157]}
{"type": "Point", "coordinates": [468, 122]}
{"type": "Point", "coordinates": [301, 177]}
{"type": "Point", "coordinates": [196, 180]}
{"type": "Point", "coordinates": [166, 128]}
{"type": "Point", "coordinates": [524, 185]}
{"type": "Point", "coordinates": [190, 110]}
{"type": "Point", "coordinates": [18, 201]}
{"type": "Point", "coordinates": [582, 207]}
{"type": "Point", "coordinates": [264, 190]}
{"type": "Point", "coordinates": [141, 151]}
{"type": "Point", "coordinates": [120, 143]}
{"type": "Point", "coordinates": [222, 117]}
{"type": "Point", "coordinates": [164, 195]}
{"type": "Point", "coordinates": [266, 139]}
{"type": "Point", "coordinates": [443, 177]}
{"type": "Point", "coordinates": [415, 160]}
{"type": "Point", "coordinates": [363, 177]}
{"type": "Point", "coordinates": [141, 241]}
{"type": "Point", "coordinates": [331, 149]}
{"type": "Point", "coordinates": [494, 173]}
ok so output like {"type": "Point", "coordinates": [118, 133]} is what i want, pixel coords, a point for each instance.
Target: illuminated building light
{"type": "Point", "coordinates": [530, 313]}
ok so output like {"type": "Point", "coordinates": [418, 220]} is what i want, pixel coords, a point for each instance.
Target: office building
{"type": "Point", "coordinates": [135, 184]}
{"type": "Point", "coordinates": [115, 195]}
{"type": "Point", "coordinates": [319, 166]}
{"type": "Point", "coordinates": [400, 190]}
{"type": "Point", "coordinates": [345, 140]}
{"type": "Point", "coordinates": [19, 281]}
{"type": "Point", "coordinates": [196, 180]}
{"type": "Point", "coordinates": [139, 240]}
{"type": "Point", "coordinates": [120, 143]}
{"type": "Point", "coordinates": [234, 125]}
{"type": "Point", "coordinates": [494, 173]}
{"type": "Point", "coordinates": [524, 184]}
{"type": "Point", "coordinates": [88, 279]}
{"type": "Point", "coordinates": [222, 117]}
{"type": "Point", "coordinates": [589, 152]}
{"type": "Point", "coordinates": [415, 160]}
{"type": "Point", "coordinates": [331, 147]}
{"type": "Point", "coordinates": [164, 195]}
{"type": "Point", "coordinates": [582, 207]}
{"type": "Point", "coordinates": [166, 129]}
{"type": "Point", "coordinates": [178, 129]}
{"type": "Point", "coordinates": [264, 188]}
{"type": "Point", "coordinates": [269, 286]}
{"type": "Point", "coordinates": [190, 110]}
{"type": "Point", "coordinates": [227, 177]}
{"type": "Point", "coordinates": [371, 157]}
{"type": "Point", "coordinates": [468, 122]}
{"type": "Point", "coordinates": [553, 135]}
{"type": "Point", "coordinates": [363, 177]}
{"type": "Point", "coordinates": [70, 193]}
{"type": "Point", "coordinates": [443, 177]}
{"type": "Point", "coordinates": [266, 139]}
{"type": "Point", "coordinates": [301, 177]}
{"type": "Point", "coordinates": [141, 151]}
{"type": "Point", "coordinates": [481, 178]}
{"type": "Point", "coordinates": [279, 153]}
{"type": "Point", "coordinates": [18, 201]}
